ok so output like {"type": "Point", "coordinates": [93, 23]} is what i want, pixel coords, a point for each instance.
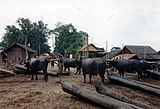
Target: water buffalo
{"type": "Point", "coordinates": [129, 66]}
{"type": "Point", "coordinates": [73, 63]}
{"type": "Point", "coordinates": [38, 64]}
{"type": "Point", "coordinates": [93, 66]}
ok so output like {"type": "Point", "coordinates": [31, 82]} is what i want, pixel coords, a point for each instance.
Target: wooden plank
{"type": "Point", "coordinates": [100, 99]}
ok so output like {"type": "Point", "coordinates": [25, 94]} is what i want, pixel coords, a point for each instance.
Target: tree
{"type": "Point", "coordinates": [37, 35]}
{"type": "Point", "coordinates": [67, 39]}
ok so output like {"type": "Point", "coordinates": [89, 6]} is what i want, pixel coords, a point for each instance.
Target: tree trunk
{"type": "Point", "coordinates": [108, 92]}
{"type": "Point", "coordinates": [105, 101]}
{"type": "Point", "coordinates": [132, 84]}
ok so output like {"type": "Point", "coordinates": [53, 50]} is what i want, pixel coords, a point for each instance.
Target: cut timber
{"type": "Point", "coordinates": [50, 73]}
{"type": "Point", "coordinates": [100, 99]}
{"type": "Point", "coordinates": [23, 69]}
{"type": "Point", "coordinates": [65, 73]}
{"type": "Point", "coordinates": [154, 74]}
{"type": "Point", "coordinates": [129, 83]}
{"type": "Point", "coordinates": [147, 84]}
{"type": "Point", "coordinates": [7, 71]}
{"type": "Point", "coordinates": [100, 88]}
{"type": "Point", "coordinates": [20, 71]}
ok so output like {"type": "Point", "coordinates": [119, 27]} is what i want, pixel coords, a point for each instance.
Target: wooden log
{"type": "Point", "coordinates": [65, 73]}
{"type": "Point", "coordinates": [22, 71]}
{"type": "Point", "coordinates": [147, 84]}
{"type": "Point", "coordinates": [100, 99]}
{"type": "Point", "coordinates": [22, 67]}
{"type": "Point", "coordinates": [154, 74]}
{"type": "Point", "coordinates": [100, 88]}
{"type": "Point", "coordinates": [50, 73]}
{"type": "Point", "coordinates": [130, 83]}
{"type": "Point", "coordinates": [7, 71]}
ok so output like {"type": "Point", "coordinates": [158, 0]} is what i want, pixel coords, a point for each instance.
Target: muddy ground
{"type": "Point", "coordinates": [20, 92]}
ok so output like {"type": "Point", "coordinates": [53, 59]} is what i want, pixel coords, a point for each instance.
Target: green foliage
{"type": "Point", "coordinates": [36, 33]}
{"type": "Point", "coordinates": [67, 39]}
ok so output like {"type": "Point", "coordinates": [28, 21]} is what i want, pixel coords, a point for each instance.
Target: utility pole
{"type": "Point", "coordinates": [86, 35]}
{"type": "Point", "coordinates": [106, 46]}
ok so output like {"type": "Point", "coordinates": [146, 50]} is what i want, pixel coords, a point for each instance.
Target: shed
{"type": "Point", "coordinates": [17, 52]}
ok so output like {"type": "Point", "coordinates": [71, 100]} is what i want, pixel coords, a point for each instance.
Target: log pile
{"type": "Point", "coordinates": [133, 84]}
{"type": "Point", "coordinates": [100, 99]}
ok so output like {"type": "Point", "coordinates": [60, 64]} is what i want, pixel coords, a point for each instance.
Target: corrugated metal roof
{"type": "Point", "coordinates": [113, 53]}
{"type": "Point", "coordinates": [22, 46]}
{"type": "Point", "coordinates": [143, 52]}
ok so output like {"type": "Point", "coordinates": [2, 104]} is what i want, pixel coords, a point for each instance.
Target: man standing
{"type": "Point", "coordinates": [60, 65]}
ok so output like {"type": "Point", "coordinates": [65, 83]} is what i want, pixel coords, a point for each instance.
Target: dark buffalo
{"type": "Point", "coordinates": [73, 63]}
{"type": "Point", "coordinates": [93, 66]}
{"type": "Point", "coordinates": [129, 66]}
{"type": "Point", "coordinates": [38, 64]}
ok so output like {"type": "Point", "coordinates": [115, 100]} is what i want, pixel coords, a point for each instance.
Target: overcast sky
{"type": "Point", "coordinates": [117, 22]}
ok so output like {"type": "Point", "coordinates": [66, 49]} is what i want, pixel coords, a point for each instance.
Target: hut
{"type": "Point", "coordinates": [17, 53]}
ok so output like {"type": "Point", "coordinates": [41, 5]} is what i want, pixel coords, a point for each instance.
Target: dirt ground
{"type": "Point", "coordinates": [20, 92]}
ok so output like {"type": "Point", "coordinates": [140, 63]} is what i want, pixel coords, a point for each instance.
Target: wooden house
{"type": "Point", "coordinates": [139, 52]}
{"type": "Point", "coordinates": [3, 57]}
{"type": "Point", "coordinates": [17, 52]}
{"type": "Point", "coordinates": [93, 51]}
